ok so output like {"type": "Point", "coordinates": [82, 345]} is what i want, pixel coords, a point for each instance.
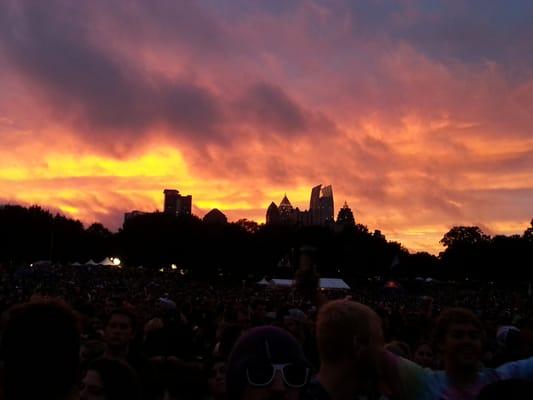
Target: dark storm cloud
{"type": "Point", "coordinates": [468, 31]}
{"type": "Point", "coordinates": [49, 44]}
{"type": "Point", "coordinates": [270, 105]}
{"type": "Point", "coordinates": [111, 101]}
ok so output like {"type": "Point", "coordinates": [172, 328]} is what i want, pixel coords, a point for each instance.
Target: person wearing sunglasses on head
{"type": "Point", "coordinates": [267, 363]}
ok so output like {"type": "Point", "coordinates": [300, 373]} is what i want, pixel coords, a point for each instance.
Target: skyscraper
{"type": "Point", "coordinates": [176, 204]}
{"type": "Point", "coordinates": [314, 204]}
{"type": "Point", "coordinates": [321, 206]}
{"type": "Point", "coordinates": [326, 206]}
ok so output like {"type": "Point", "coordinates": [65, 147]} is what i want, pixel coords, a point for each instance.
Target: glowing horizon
{"type": "Point", "coordinates": [418, 113]}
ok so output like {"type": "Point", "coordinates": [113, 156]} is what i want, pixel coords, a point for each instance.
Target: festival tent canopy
{"type": "Point", "coordinates": [41, 263]}
{"type": "Point", "coordinates": [106, 262]}
{"type": "Point", "coordinates": [91, 262]}
{"type": "Point", "coordinates": [325, 283]}
{"type": "Point", "coordinates": [333, 283]}
{"type": "Point", "coordinates": [75, 264]}
{"type": "Point", "coordinates": [283, 282]}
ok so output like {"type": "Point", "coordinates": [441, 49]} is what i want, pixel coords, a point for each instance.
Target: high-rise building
{"type": "Point", "coordinates": [314, 204]}
{"type": "Point", "coordinates": [176, 204]}
{"type": "Point", "coordinates": [321, 206]}
{"type": "Point", "coordinates": [326, 206]}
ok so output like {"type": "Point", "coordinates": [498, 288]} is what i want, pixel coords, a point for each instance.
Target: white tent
{"type": "Point", "coordinates": [333, 283]}
{"type": "Point", "coordinates": [106, 262]}
{"type": "Point", "coordinates": [91, 263]}
{"type": "Point", "coordinates": [75, 264]}
{"type": "Point", "coordinates": [276, 282]}
{"type": "Point", "coordinates": [283, 282]}
{"type": "Point", "coordinates": [325, 283]}
{"type": "Point", "coordinates": [41, 263]}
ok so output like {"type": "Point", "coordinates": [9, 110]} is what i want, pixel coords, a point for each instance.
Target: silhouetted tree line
{"type": "Point", "coordinates": [244, 248]}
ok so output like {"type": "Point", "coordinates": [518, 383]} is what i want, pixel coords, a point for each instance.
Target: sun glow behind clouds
{"type": "Point", "coordinates": [102, 106]}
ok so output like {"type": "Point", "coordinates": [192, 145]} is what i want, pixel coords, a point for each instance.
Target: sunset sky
{"type": "Point", "coordinates": [419, 113]}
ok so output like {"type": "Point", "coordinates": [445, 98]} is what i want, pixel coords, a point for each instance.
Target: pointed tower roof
{"type": "Point", "coordinates": [272, 206]}
{"type": "Point", "coordinates": [285, 201]}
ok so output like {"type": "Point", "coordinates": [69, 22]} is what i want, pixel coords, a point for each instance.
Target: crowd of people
{"type": "Point", "coordinates": [95, 333]}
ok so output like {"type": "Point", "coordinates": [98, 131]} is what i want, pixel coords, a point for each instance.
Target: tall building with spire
{"type": "Point", "coordinates": [345, 216]}
{"type": "Point", "coordinates": [285, 207]}
{"type": "Point", "coordinates": [286, 211]}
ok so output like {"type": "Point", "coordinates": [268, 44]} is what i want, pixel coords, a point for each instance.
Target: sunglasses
{"type": "Point", "coordinates": [293, 375]}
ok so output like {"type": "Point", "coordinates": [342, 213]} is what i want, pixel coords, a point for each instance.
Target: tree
{"type": "Point", "coordinates": [528, 233]}
{"type": "Point", "coordinates": [464, 235]}
{"type": "Point", "coordinates": [466, 254]}
{"type": "Point", "coordinates": [248, 225]}
{"type": "Point", "coordinates": [98, 230]}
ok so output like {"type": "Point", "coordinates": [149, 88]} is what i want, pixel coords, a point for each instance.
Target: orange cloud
{"type": "Point", "coordinates": [104, 105]}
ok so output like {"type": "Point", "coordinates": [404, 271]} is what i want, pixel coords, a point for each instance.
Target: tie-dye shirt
{"type": "Point", "coordinates": [424, 384]}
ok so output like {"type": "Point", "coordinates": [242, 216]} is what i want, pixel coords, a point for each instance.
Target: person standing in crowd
{"type": "Point", "coordinates": [267, 363]}
{"type": "Point", "coordinates": [119, 332]}
{"type": "Point", "coordinates": [423, 355]}
{"type": "Point", "coordinates": [108, 379]}
{"type": "Point", "coordinates": [216, 379]}
{"type": "Point", "coordinates": [307, 279]}
{"type": "Point", "coordinates": [40, 351]}
{"type": "Point", "coordinates": [459, 336]}
{"type": "Point", "coordinates": [258, 312]}
{"type": "Point", "coordinates": [351, 348]}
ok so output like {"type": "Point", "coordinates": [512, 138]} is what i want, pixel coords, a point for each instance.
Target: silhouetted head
{"type": "Point", "coordinates": [216, 378]}
{"type": "Point", "coordinates": [40, 348]}
{"type": "Point", "coordinates": [110, 380]}
{"type": "Point", "coordinates": [424, 355]}
{"type": "Point", "coordinates": [119, 328]}
{"type": "Point", "coordinates": [350, 334]}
